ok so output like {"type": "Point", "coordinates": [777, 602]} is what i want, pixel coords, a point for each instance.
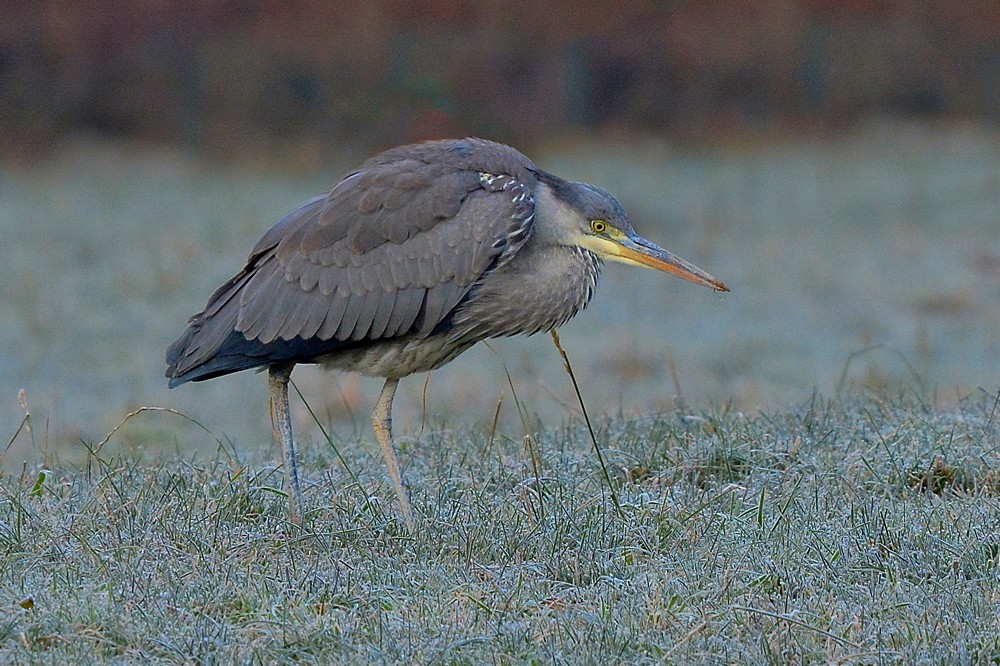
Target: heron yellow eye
{"type": "Point", "coordinates": [598, 226]}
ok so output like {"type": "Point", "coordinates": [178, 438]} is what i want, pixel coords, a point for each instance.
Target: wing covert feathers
{"type": "Point", "coordinates": [390, 250]}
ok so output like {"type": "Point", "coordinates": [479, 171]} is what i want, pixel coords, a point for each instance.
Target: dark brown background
{"type": "Point", "coordinates": [258, 75]}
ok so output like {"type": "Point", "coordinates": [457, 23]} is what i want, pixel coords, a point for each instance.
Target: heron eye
{"type": "Point", "coordinates": [599, 226]}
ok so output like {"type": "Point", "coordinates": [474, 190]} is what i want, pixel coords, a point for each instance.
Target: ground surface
{"type": "Point", "coordinates": [807, 468]}
{"type": "Point", "coordinates": [855, 532]}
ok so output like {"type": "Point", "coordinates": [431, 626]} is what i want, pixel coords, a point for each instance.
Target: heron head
{"type": "Point", "coordinates": [593, 219]}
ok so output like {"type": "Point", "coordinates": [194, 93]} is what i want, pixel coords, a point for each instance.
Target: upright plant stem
{"type": "Point", "coordinates": [586, 418]}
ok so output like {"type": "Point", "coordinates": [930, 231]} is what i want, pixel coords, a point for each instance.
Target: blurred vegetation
{"type": "Point", "coordinates": [252, 76]}
{"type": "Point", "coordinates": [866, 259]}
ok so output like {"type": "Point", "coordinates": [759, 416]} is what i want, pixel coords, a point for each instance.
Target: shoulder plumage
{"type": "Point", "coordinates": [471, 153]}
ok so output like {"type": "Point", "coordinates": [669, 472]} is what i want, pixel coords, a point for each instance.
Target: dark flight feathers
{"type": "Point", "coordinates": [390, 250]}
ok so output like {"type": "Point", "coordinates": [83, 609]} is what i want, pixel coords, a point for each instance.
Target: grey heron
{"type": "Point", "coordinates": [409, 260]}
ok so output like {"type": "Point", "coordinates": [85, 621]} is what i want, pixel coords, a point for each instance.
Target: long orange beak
{"type": "Point", "coordinates": [636, 249]}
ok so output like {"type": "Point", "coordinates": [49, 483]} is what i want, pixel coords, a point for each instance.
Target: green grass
{"type": "Point", "coordinates": [864, 530]}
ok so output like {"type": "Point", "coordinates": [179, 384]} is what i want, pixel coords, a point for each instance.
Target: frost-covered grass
{"type": "Point", "coordinates": [860, 531]}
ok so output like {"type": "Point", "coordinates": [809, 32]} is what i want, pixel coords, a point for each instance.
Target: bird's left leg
{"type": "Point", "coordinates": [382, 423]}
{"type": "Point", "coordinates": [281, 420]}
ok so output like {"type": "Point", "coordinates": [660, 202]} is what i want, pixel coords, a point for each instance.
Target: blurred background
{"type": "Point", "coordinates": [836, 163]}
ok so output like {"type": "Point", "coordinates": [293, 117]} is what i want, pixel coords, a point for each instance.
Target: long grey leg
{"type": "Point", "coordinates": [281, 421]}
{"type": "Point", "coordinates": [382, 423]}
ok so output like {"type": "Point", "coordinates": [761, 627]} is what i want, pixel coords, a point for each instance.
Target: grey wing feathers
{"type": "Point", "coordinates": [390, 250]}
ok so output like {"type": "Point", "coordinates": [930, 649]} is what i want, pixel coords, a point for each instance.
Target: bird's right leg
{"type": "Point", "coordinates": [382, 423]}
{"type": "Point", "coordinates": [281, 420]}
